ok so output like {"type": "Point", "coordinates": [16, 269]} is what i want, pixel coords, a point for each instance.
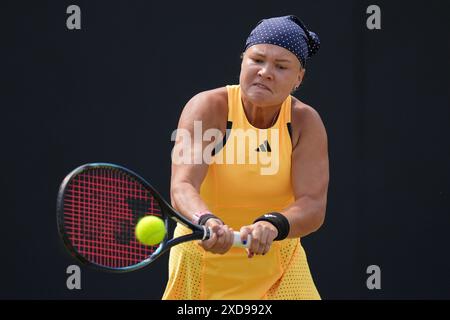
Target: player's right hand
{"type": "Point", "coordinates": [222, 237]}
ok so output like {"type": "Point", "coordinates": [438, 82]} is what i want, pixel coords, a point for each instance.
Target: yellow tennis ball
{"type": "Point", "coordinates": [150, 230]}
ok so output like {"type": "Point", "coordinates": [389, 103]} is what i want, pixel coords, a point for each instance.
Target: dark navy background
{"type": "Point", "coordinates": [113, 92]}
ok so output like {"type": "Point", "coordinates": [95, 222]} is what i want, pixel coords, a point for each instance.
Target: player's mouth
{"type": "Point", "coordinates": [262, 86]}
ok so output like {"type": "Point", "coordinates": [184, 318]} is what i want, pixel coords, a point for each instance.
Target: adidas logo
{"type": "Point", "coordinates": [264, 147]}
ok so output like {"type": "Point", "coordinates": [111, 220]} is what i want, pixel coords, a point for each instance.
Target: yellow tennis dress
{"type": "Point", "coordinates": [249, 176]}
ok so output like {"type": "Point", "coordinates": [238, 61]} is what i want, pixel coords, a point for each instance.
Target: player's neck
{"type": "Point", "coordinates": [261, 116]}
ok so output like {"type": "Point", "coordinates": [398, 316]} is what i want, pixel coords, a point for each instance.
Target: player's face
{"type": "Point", "coordinates": [269, 73]}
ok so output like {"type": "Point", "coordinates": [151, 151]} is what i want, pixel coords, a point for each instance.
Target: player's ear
{"type": "Point", "coordinates": [300, 76]}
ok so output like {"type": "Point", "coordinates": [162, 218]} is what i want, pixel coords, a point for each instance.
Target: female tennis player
{"type": "Point", "coordinates": [268, 177]}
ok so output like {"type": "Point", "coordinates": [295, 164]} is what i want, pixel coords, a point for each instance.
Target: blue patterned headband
{"type": "Point", "coordinates": [287, 32]}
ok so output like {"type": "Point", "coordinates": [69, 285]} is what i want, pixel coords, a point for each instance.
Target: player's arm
{"type": "Point", "coordinates": [309, 182]}
{"type": "Point", "coordinates": [310, 176]}
{"type": "Point", "coordinates": [189, 168]}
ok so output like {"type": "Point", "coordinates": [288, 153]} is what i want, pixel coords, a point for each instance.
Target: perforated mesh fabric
{"type": "Point", "coordinates": [186, 263]}
{"type": "Point", "coordinates": [296, 282]}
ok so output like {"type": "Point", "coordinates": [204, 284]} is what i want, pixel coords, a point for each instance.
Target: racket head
{"type": "Point", "coordinates": [98, 207]}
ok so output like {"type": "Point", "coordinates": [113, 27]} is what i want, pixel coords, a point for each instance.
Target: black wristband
{"type": "Point", "coordinates": [279, 221]}
{"type": "Point", "coordinates": [202, 220]}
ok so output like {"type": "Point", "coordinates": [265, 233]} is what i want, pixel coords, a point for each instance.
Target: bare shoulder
{"type": "Point", "coordinates": [305, 120]}
{"type": "Point", "coordinates": [210, 106]}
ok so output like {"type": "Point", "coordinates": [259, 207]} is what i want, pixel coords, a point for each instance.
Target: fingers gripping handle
{"type": "Point", "coordinates": [236, 239]}
{"type": "Point", "coordinates": [238, 243]}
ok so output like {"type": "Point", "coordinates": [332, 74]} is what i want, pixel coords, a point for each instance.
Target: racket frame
{"type": "Point", "coordinates": [198, 232]}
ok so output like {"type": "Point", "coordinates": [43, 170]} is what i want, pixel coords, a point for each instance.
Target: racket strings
{"type": "Point", "coordinates": [101, 209]}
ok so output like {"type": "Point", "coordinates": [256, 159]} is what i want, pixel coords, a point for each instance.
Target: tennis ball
{"type": "Point", "coordinates": [150, 230]}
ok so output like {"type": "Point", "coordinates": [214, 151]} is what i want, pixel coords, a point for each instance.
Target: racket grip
{"type": "Point", "coordinates": [238, 243]}
{"type": "Point", "coordinates": [236, 240]}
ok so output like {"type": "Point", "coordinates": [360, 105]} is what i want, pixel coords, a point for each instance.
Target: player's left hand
{"type": "Point", "coordinates": [262, 233]}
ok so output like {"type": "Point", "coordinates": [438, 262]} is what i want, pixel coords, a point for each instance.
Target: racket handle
{"type": "Point", "coordinates": [238, 243]}
{"type": "Point", "coordinates": [236, 240]}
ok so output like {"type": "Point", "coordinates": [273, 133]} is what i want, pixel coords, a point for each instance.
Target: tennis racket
{"type": "Point", "coordinates": [98, 207]}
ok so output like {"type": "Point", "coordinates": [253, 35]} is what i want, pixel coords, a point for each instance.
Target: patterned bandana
{"type": "Point", "coordinates": [287, 32]}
